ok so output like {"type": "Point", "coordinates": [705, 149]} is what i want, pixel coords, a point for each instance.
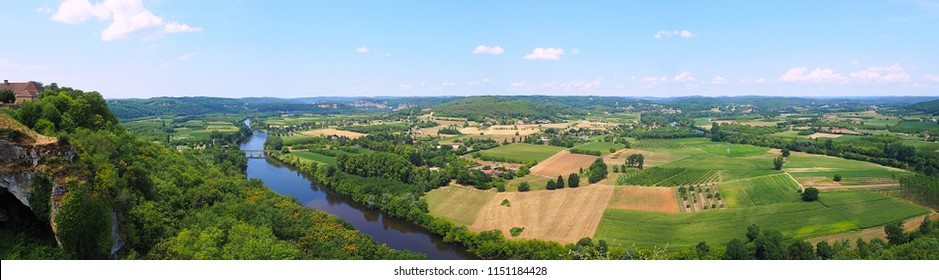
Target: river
{"type": "Point", "coordinates": [397, 233]}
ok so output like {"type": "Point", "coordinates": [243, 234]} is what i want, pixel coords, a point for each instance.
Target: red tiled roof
{"type": "Point", "coordinates": [27, 89]}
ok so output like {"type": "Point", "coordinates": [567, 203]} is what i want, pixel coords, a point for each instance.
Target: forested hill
{"type": "Point", "coordinates": [163, 204]}
{"type": "Point", "coordinates": [929, 107]}
{"type": "Point", "coordinates": [180, 106]}
{"type": "Point", "coordinates": [477, 108]}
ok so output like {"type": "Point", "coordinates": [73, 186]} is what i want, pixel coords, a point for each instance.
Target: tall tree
{"type": "Point", "coordinates": [573, 180]}
{"type": "Point", "coordinates": [737, 250]}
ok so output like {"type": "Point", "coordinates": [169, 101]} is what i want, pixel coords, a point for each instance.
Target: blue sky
{"type": "Point", "coordinates": [133, 48]}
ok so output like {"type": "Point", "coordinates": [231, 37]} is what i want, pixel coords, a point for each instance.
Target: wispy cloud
{"type": "Point", "coordinates": [931, 77]}
{"type": "Point", "coordinates": [483, 49]}
{"type": "Point", "coordinates": [545, 54]}
{"type": "Point", "coordinates": [127, 17]}
{"type": "Point", "coordinates": [683, 77]}
{"type": "Point", "coordinates": [518, 84]}
{"type": "Point", "coordinates": [361, 50]}
{"type": "Point", "coordinates": [680, 33]}
{"type": "Point", "coordinates": [718, 80]}
{"type": "Point", "coordinates": [171, 62]}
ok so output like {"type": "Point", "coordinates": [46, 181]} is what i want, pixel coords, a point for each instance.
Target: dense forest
{"type": "Point", "coordinates": [187, 106]}
{"type": "Point", "coordinates": [166, 204]}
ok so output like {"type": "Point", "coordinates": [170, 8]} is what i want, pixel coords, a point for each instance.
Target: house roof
{"type": "Point", "coordinates": [27, 89]}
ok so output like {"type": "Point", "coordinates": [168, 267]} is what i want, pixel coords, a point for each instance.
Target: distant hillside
{"type": "Point", "coordinates": [180, 106]}
{"type": "Point", "coordinates": [929, 107]}
{"type": "Point", "coordinates": [477, 108]}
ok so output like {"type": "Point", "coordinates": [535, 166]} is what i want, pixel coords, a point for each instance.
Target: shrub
{"type": "Point", "coordinates": [515, 231]}
{"type": "Point", "coordinates": [810, 194]}
{"type": "Point", "coordinates": [524, 187]}
{"type": "Point", "coordinates": [837, 178]}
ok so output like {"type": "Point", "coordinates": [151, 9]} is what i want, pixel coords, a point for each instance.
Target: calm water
{"type": "Point", "coordinates": [397, 233]}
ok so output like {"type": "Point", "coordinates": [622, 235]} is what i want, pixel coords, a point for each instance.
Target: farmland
{"type": "Point", "coordinates": [658, 176]}
{"type": "Point", "coordinates": [796, 220]}
{"type": "Point", "coordinates": [562, 163]}
{"type": "Point", "coordinates": [520, 153]}
{"type": "Point", "coordinates": [459, 204]}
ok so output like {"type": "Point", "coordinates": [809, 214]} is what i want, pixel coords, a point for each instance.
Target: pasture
{"type": "Point", "coordinates": [602, 147]}
{"type": "Point", "coordinates": [330, 132]}
{"type": "Point", "coordinates": [564, 215]}
{"type": "Point", "coordinates": [316, 157]}
{"type": "Point", "coordinates": [764, 190]}
{"type": "Point", "coordinates": [521, 152]}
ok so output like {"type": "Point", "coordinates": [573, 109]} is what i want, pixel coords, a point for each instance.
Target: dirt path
{"type": "Point", "coordinates": [801, 187]}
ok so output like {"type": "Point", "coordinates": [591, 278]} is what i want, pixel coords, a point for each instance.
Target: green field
{"type": "Point", "coordinates": [732, 150]}
{"type": "Point", "coordinates": [536, 182]}
{"type": "Point", "coordinates": [854, 211]}
{"type": "Point", "coordinates": [317, 157]}
{"type": "Point", "coordinates": [602, 147]}
{"type": "Point", "coordinates": [918, 125]}
{"type": "Point", "coordinates": [816, 169]}
{"type": "Point", "coordinates": [657, 144]}
{"type": "Point", "coordinates": [522, 152]}
{"type": "Point", "coordinates": [657, 176]}
{"type": "Point", "coordinates": [763, 190]}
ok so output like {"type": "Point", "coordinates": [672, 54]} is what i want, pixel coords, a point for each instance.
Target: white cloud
{"type": "Point", "coordinates": [447, 84]}
{"type": "Point", "coordinates": [545, 54]}
{"type": "Point", "coordinates": [718, 80]}
{"type": "Point", "coordinates": [683, 77]}
{"type": "Point", "coordinates": [759, 81]}
{"type": "Point", "coordinates": [575, 51]}
{"type": "Point", "coordinates": [882, 74]}
{"type": "Point", "coordinates": [386, 54]}
{"type": "Point", "coordinates": [931, 77]}
{"type": "Point", "coordinates": [127, 17]}
{"type": "Point", "coordinates": [181, 58]}
{"type": "Point", "coordinates": [748, 81]}
{"type": "Point", "coordinates": [483, 49]}
{"type": "Point", "coordinates": [44, 9]}
{"type": "Point", "coordinates": [518, 84]}
{"type": "Point", "coordinates": [666, 33]}
{"type": "Point", "coordinates": [361, 50]}
{"type": "Point", "coordinates": [797, 74]}
{"type": "Point", "coordinates": [487, 80]}
{"type": "Point", "coordinates": [473, 83]}
{"type": "Point", "coordinates": [180, 28]}
{"type": "Point", "coordinates": [404, 86]}
{"type": "Point", "coordinates": [855, 62]}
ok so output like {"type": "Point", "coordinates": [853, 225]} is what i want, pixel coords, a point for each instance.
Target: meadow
{"type": "Point", "coordinates": [459, 204]}
{"type": "Point", "coordinates": [521, 152]}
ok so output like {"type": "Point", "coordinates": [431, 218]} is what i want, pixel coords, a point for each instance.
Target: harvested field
{"type": "Point", "coordinates": [824, 135]}
{"type": "Point", "coordinates": [564, 215]}
{"type": "Point", "coordinates": [645, 199]}
{"type": "Point", "coordinates": [332, 131]}
{"type": "Point", "coordinates": [563, 163]}
{"type": "Point", "coordinates": [460, 204]}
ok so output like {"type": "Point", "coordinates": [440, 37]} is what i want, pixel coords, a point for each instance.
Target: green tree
{"type": "Point", "coordinates": [274, 143]}
{"type": "Point", "coordinates": [573, 180]}
{"type": "Point", "coordinates": [737, 250]}
{"type": "Point", "coordinates": [753, 231]}
{"type": "Point", "coordinates": [597, 171]}
{"type": "Point", "coordinates": [703, 249]}
{"type": "Point", "coordinates": [778, 163]}
{"type": "Point", "coordinates": [785, 152]}
{"type": "Point", "coordinates": [550, 185]}
{"type": "Point", "coordinates": [801, 250]}
{"type": "Point", "coordinates": [837, 178]}
{"type": "Point", "coordinates": [895, 233]}
{"type": "Point", "coordinates": [7, 96]}
{"type": "Point", "coordinates": [810, 194]}
{"type": "Point", "coordinates": [524, 186]}
{"type": "Point", "coordinates": [560, 182]}
{"type": "Point", "coordinates": [824, 250]}
{"type": "Point", "coordinates": [769, 246]}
